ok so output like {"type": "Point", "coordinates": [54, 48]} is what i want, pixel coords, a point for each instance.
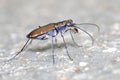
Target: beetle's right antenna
{"type": "Point", "coordinates": [25, 46]}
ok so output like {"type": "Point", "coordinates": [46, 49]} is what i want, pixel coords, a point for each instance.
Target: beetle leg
{"type": "Point", "coordinates": [74, 40]}
{"type": "Point", "coordinates": [66, 47]}
{"type": "Point", "coordinates": [21, 49]}
{"type": "Point", "coordinates": [52, 45]}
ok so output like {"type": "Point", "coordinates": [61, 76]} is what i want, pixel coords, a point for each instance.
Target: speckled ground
{"type": "Point", "coordinates": [98, 62]}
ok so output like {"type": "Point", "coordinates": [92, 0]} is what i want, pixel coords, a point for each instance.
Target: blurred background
{"type": "Point", "coordinates": [19, 17]}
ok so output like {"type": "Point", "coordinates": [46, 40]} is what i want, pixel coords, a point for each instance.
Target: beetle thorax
{"type": "Point", "coordinates": [69, 22]}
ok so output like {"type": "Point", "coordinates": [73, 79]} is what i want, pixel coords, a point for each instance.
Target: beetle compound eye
{"type": "Point", "coordinates": [70, 20]}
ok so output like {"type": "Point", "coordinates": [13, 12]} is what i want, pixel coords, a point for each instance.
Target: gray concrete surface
{"type": "Point", "coordinates": [98, 62]}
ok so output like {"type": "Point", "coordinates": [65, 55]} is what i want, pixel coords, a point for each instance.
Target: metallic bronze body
{"type": "Point", "coordinates": [51, 30]}
{"type": "Point", "coordinates": [41, 30]}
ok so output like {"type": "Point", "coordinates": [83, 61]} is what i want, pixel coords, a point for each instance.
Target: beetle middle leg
{"type": "Point", "coordinates": [52, 45]}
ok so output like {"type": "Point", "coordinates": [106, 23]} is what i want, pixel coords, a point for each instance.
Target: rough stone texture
{"type": "Point", "coordinates": [98, 62]}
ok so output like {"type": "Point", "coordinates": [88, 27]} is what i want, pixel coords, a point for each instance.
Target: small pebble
{"type": "Point", "coordinates": [110, 50]}
{"type": "Point", "coordinates": [82, 64]}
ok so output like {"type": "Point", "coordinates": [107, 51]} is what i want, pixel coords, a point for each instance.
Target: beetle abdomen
{"type": "Point", "coordinates": [41, 30]}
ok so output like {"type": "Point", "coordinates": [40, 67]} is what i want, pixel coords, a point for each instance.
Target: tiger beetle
{"type": "Point", "coordinates": [52, 30]}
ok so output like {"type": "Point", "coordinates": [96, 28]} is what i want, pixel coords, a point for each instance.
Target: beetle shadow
{"type": "Point", "coordinates": [47, 47]}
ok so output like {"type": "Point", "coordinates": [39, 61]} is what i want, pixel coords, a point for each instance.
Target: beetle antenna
{"type": "Point", "coordinates": [87, 34]}
{"type": "Point", "coordinates": [89, 24]}
{"type": "Point", "coordinates": [25, 46]}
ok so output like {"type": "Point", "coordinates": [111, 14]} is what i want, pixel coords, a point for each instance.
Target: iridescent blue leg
{"type": "Point", "coordinates": [25, 46]}
{"type": "Point", "coordinates": [66, 47]}
{"type": "Point", "coordinates": [52, 45]}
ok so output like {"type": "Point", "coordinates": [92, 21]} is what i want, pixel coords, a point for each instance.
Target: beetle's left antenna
{"type": "Point", "coordinates": [25, 46]}
{"type": "Point", "coordinates": [89, 24]}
